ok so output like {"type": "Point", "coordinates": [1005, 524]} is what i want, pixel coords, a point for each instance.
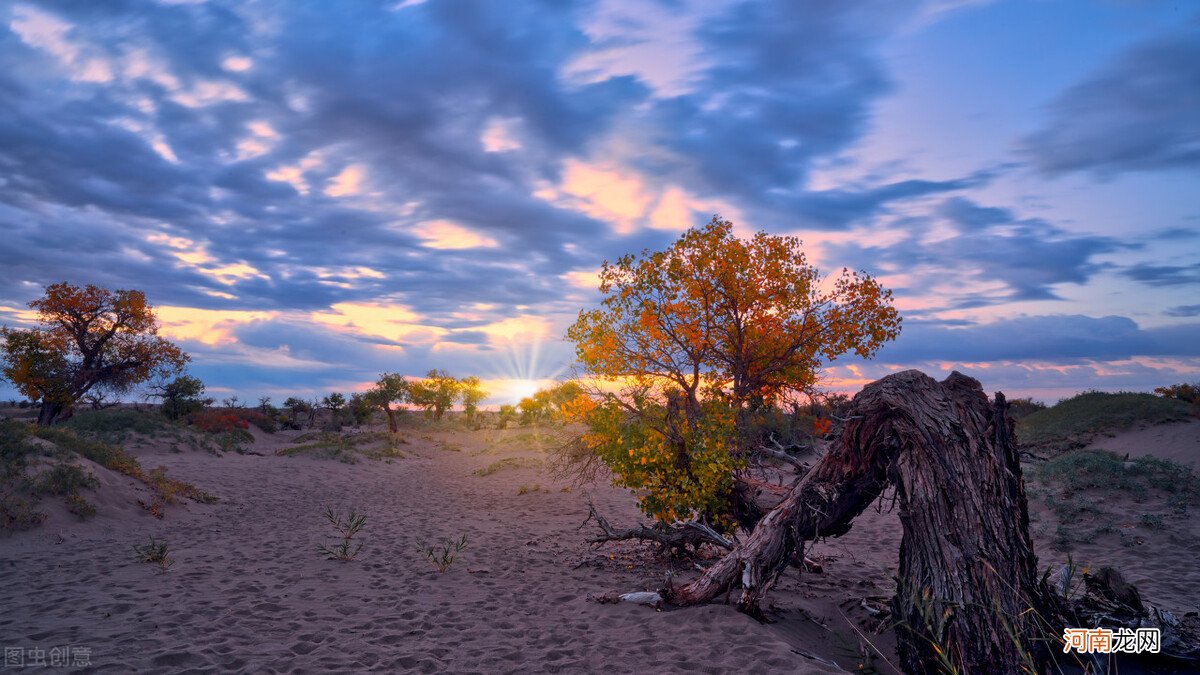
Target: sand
{"type": "Point", "coordinates": [248, 591]}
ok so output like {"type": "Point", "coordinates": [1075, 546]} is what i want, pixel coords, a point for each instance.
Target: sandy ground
{"type": "Point", "coordinates": [248, 591]}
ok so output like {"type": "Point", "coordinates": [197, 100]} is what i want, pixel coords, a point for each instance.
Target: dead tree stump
{"type": "Point", "coordinates": [968, 574]}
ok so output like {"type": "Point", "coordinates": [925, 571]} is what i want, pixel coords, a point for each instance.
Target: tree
{"type": "Point", "coordinates": [435, 393]}
{"type": "Point", "coordinates": [335, 402]}
{"type": "Point", "coordinates": [360, 407]}
{"type": "Point", "coordinates": [391, 388]}
{"type": "Point", "coordinates": [181, 396]}
{"type": "Point", "coordinates": [697, 338]}
{"type": "Point", "coordinates": [472, 394]}
{"type": "Point", "coordinates": [90, 338]}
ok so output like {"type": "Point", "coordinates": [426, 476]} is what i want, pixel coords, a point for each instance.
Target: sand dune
{"type": "Point", "coordinates": [248, 591]}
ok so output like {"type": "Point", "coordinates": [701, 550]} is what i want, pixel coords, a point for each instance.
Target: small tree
{"type": "Point", "coordinates": [181, 396]}
{"type": "Point", "coordinates": [435, 393]}
{"type": "Point", "coordinates": [90, 339]}
{"type": "Point", "coordinates": [697, 338]}
{"type": "Point", "coordinates": [472, 394]}
{"type": "Point", "coordinates": [391, 388]}
{"type": "Point", "coordinates": [360, 408]}
{"type": "Point", "coordinates": [334, 402]}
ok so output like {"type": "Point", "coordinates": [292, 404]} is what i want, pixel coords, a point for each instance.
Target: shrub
{"type": "Point", "coordinates": [347, 528]}
{"type": "Point", "coordinates": [64, 479]}
{"type": "Point", "coordinates": [17, 513]}
{"type": "Point", "coordinates": [79, 506]}
{"type": "Point", "coordinates": [154, 552]}
{"type": "Point", "coordinates": [217, 421]}
{"type": "Point", "coordinates": [442, 556]}
{"type": "Point", "coordinates": [1189, 393]}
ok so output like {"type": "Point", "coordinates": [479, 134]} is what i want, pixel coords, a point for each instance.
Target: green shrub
{"type": "Point", "coordinates": [64, 479]}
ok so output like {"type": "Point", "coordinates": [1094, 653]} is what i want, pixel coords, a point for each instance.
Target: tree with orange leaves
{"type": "Point", "coordinates": [701, 335]}
{"type": "Point", "coordinates": [91, 339]}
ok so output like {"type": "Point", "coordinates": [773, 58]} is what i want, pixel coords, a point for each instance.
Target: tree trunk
{"type": "Point", "coordinates": [968, 575]}
{"type": "Point", "coordinates": [49, 413]}
{"type": "Point", "coordinates": [391, 415]}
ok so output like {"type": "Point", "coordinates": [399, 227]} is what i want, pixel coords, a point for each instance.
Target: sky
{"type": "Point", "coordinates": [313, 193]}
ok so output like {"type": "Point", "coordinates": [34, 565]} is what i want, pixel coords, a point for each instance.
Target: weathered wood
{"type": "Point", "coordinates": [967, 569]}
{"type": "Point", "coordinates": [677, 538]}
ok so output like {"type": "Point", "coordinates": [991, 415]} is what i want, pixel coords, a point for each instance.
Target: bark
{"type": "Point", "coordinates": [391, 415]}
{"type": "Point", "coordinates": [967, 569]}
{"type": "Point", "coordinates": [50, 412]}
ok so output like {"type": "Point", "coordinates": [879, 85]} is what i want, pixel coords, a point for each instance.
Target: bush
{"type": "Point", "coordinates": [64, 479]}
{"type": "Point", "coordinates": [217, 421]}
{"type": "Point", "coordinates": [1189, 393]}
{"type": "Point", "coordinates": [115, 424]}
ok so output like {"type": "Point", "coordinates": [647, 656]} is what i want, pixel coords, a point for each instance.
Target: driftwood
{"type": "Point", "coordinates": [968, 596]}
{"type": "Point", "coordinates": [679, 537]}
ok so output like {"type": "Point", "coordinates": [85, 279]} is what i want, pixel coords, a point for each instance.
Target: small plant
{"type": "Point", "coordinates": [527, 489]}
{"type": "Point", "coordinates": [442, 556]}
{"type": "Point", "coordinates": [1153, 521]}
{"type": "Point", "coordinates": [154, 552]}
{"type": "Point", "coordinates": [347, 527]}
{"type": "Point", "coordinates": [79, 506]}
{"type": "Point", "coordinates": [65, 479]}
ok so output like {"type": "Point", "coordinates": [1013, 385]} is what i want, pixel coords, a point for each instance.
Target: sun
{"type": "Point", "coordinates": [520, 389]}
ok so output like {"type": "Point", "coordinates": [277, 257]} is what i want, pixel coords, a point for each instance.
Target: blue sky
{"type": "Point", "coordinates": [312, 193]}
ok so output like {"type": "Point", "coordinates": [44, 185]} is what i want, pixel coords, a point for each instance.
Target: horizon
{"type": "Point", "coordinates": [311, 198]}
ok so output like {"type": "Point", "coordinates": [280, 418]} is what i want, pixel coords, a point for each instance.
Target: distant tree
{"type": "Point", "coordinates": [91, 339]}
{"type": "Point", "coordinates": [472, 394]}
{"type": "Point", "coordinates": [233, 402]}
{"type": "Point", "coordinates": [435, 393]}
{"type": "Point", "coordinates": [546, 404]}
{"type": "Point", "coordinates": [98, 399]}
{"type": "Point", "coordinates": [507, 413]}
{"type": "Point", "coordinates": [391, 388]}
{"type": "Point", "coordinates": [335, 403]}
{"type": "Point", "coordinates": [298, 410]}
{"type": "Point", "coordinates": [181, 396]}
{"type": "Point", "coordinates": [264, 405]}
{"type": "Point", "coordinates": [360, 408]}
{"type": "Point", "coordinates": [1183, 392]}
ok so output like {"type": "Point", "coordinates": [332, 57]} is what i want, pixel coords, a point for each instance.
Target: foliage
{"type": "Point", "coordinates": [91, 339]}
{"type": "Point", "coordinates": [507, 413]}
{"type": "Point", "coordinates": [436, 393]}
{"type": "Point", "coordinates": [16, 512]}
{"type": "Point", "coordinates": [217, 421]}
{"type": "Point", "coordinates": [360, 408]}
{"type": "Point", "coordinates": [546, 405]}
{"type": "Point", "coordinates": [693, 340]}
{"type": "Point", "coordinates": [1189, 393]}
{"type": "Point", "coordinates": [181, 397]}
{"type": "Point", "coordinates": [391, 388]}
{"type": "Point", "coordinates": [1020, 408]}
{"type": "Point", "coordinates": [156, 552]}
{"type": "Point", "coordinates": [472, 394]}
{"type": "Point", "coordinates": [442, 556]}
{"type": "Point", "coordinates": [347, 528]}
{"type": "Point", "coordinates": [1073, 422]}
{"type": "Point", "coordinates": [64, 479]}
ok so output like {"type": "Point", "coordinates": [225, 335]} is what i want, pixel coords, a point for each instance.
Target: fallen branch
{"type": "Point", "coordinates": [674, 537]}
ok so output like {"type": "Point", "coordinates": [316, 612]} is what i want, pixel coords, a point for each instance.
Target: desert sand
{"type": "Point", "coordinates": [249, 592]}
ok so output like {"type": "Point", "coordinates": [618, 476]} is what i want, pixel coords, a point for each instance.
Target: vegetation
{"type": "Point", "coordinates": [442, 555]}
{"type": "Point", "coordinates": [1075, 485]}
{"type": "Point", "coordinates": [154, 552]}
{"type": "Point", "coordinates": [181, 397]}
{"type": "Point", "coordinates": [347, 528]}
{"type": "Point", "coordinates": [508, 463]}
{"type": "Point", "coordinates": [546, 405]}
{"type": "Point", "coordinates": [1073, 422]}
{"type": "Point", "coordinates": [696, 339]}
{"type": "Point", "coordinates": [1188, 393]}
{"type": "Point", "coordinates": [92, 340]}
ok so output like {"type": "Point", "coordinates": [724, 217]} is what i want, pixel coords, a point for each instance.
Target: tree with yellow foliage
{"type": "Point", "coordinates": [91, 339]}
{"type": "Point", "coordinates": [693, 339]}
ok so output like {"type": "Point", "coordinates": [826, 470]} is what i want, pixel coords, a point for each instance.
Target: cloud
{"type": "Point", "coordinates": [1041, 338]}
{"type": "Point", "coordinates": [1136, 113]}
{"type": "Point", "coordinates": [1164, 275]}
